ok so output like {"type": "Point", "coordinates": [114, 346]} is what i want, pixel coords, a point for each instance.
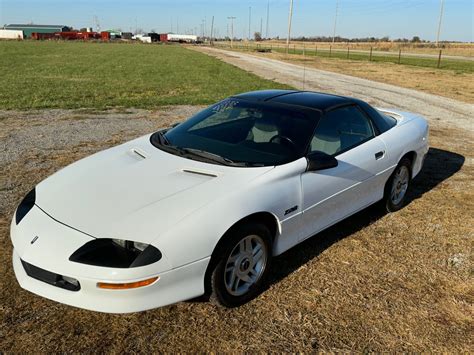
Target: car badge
{"type": "Point", "coordinates": [34, 240]}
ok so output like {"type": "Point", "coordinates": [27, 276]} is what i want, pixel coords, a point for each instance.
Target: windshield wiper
{"type": "Point", "coordinates": [210, 156]}
{"type": "Point", "coordinates": [159, 138]}
{"type": "Point", "coordinates": [163, 139]}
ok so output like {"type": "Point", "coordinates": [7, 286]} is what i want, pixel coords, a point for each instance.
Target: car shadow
{"type": "Point", "coordinates": [439, 166]}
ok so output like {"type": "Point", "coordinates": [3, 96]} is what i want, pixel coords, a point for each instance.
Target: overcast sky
{"type": "Point", "coordinates": [357, 18]}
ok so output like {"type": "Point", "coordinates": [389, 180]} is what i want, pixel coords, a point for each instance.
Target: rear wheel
{"type": "Point", "coordinates": [243, 264]}
{"type": "Point", "coordinates": [397, 186]}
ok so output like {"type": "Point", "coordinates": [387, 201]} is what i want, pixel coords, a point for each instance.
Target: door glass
{"type": "Point", "coordinates": [340, 130]}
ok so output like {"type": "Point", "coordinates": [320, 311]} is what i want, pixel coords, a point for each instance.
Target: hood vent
{"type": "Point", "coordinates": [139, 152]}
{"type": "Point", "coordinates": [197, 172]}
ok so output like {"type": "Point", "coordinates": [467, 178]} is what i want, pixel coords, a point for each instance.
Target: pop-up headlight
{"type": "Point", "coordinates": [25, 206]}
{"type": "Point", "coordinates": [116, 253]}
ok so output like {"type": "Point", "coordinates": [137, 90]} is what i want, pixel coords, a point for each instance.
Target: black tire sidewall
{"type": "Point", "coordinates": [219, 293]}
{"type": "Point", "coordinates": [389, 205]}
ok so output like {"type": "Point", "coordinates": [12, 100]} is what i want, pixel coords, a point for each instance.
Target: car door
{"type": "Point", "coordinates": [330, 195]}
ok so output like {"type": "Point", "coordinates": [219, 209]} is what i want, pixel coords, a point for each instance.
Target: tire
{"type": "Point", "coordinates": [243, 265]}
{"type": "Point", "coordinates": [397, 186]}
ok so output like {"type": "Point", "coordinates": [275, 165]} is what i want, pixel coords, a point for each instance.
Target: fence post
{"type": "Point", "coordinates": [330, 51]}
{"type": "Point", "coordinates": [294, 49]}
{"type": "Point", "coordinates": [347, 52]}
{"type": "Point", "coordinates": [370, 56]}
{"type": "Point", "coordinates": [399, 55]}
{"type": "Point", "coordinates": [304, 50]}
{"type": "Point", "coordinates": [315, 51]}
{"type": "Point", "coordinates": [439, 59]}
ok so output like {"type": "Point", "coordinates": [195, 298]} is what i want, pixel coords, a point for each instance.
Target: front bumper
{"type": "Point", "coordinates": [176, 285]}
{"type": "Point", "coordinates": [45, 243]}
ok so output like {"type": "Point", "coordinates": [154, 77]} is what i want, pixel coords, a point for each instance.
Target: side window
{"type": "Point", "coordinates": [340, 130]}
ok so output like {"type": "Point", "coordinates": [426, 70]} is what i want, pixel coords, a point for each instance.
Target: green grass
{"type": "Point", "coordinates": [460, 66]}
{"type": "Point", "coordinates": [52, 74]}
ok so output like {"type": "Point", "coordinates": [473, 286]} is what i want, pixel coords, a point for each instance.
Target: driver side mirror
{"type": "Point", "coordinates": [319, 161]}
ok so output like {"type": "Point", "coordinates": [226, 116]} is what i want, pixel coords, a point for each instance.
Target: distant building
{"type": "Point", "coordinates": [29, 29]}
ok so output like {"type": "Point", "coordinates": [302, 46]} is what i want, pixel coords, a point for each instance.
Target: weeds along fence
{"type": "Point", "coordinates": [371, 55]}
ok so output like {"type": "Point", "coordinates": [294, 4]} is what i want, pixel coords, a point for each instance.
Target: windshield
{"type": "Point", "coordinates": [238, 132]}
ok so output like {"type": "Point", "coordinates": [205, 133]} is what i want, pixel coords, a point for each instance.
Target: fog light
{"type": "Point", "coordinates": [125, 286]}
{"type": "Point", "coordinates": [71, 281]}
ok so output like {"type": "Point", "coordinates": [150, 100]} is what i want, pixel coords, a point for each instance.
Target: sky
{"type": "Point", "coordinates": [356, 18]}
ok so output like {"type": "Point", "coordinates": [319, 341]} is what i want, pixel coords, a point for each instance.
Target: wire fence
{"type": "Point", "coordinates": [401, 57]}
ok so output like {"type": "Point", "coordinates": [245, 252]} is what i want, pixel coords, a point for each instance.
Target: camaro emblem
{"type": "Point", "coordinates": [34, 239]}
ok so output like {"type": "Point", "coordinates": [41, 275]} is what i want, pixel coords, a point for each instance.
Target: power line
{"type": "Point", "coordinates": [250, 19]}
{"type": "Point", "coordinates": [290, 15]}
{"type": "Point", "coordinates": [335, 22]}
{"type": "Point", "coordinates": [440, 20]}
{"type": "Point", "coordinates": [231, 18]}
{"type": "Point", "coordinates": [268, 16]}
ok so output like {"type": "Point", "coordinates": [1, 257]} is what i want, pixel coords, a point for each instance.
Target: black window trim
{"type": "Point", "coordinates": [375, 131]}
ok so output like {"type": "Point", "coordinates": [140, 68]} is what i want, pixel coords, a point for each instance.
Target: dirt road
{"type": "Point", "coordinates": [443, 111]}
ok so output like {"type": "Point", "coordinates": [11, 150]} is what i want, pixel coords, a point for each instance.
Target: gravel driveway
{"type": "Point", "coordinates": [443, 111]}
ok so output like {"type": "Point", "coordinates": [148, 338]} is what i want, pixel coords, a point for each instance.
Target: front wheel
{"type": "Point", "coordinates": [243, 264]}
{"type": "Point", "coordinates": [397, 186]}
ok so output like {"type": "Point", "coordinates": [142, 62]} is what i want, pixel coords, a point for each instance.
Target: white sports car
{"type": "Point", "coordinates": [202, 208]}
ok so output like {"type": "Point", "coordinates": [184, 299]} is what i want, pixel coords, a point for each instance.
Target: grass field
{"type": "Point", "coordinates": [97, 75]}
{"type": "Point", "coordinates": [459, 66]}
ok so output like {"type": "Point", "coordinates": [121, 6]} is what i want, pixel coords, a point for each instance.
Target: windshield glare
{"type": "Point", "coordinates": [245, 132]}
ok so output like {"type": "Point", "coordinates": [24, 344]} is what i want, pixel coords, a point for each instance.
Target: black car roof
{"type": "Point", "coordinates": [309, 99]}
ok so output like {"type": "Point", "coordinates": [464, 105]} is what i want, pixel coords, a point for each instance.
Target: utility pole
{"type": "Point", "coordinates": [268, 16]}
{"type": "Point", "coordinates": [261, 26]}
{"type": "Point", "coordinates": [290, 15]}
{"type": "Point", "coordinates": [441, 10]}
{"type": "Point", "coordinates": [335, 22]}
{"type": "Point", "coordinates": [231, 18]}
{"type": "Point", "coordinates": [212, 30]}
{"type": "Point", "coordinates": [250, 19]}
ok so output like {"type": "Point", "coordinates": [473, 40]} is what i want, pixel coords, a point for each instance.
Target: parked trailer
{"type": "Point", "coordinates": [173, 37]}
{"type": "Point", "coordinates": [71, 35]}
{"type": "Point", "coordinates": [42, 36]}
{"type": "Point", "coordinates": [11, 34]}
{"type": "Point", "coordinates": [142, 38]}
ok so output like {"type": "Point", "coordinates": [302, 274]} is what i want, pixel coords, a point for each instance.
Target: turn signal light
{"type": "Point", "coordinates": [125, 286]}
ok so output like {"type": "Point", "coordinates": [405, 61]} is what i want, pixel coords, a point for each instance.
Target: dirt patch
{"type": "Point", "coordinates": [40, 141]}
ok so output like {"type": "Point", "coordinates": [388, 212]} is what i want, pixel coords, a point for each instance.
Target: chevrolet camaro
{"type": "Point", "coordinates": [202, 208]}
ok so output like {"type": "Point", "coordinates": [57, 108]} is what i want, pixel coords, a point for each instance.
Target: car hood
{"type": "Point", "coordinates": [135, 191]}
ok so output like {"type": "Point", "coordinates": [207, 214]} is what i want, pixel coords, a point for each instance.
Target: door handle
{"type": "Point", "coordinates": [379, 155]}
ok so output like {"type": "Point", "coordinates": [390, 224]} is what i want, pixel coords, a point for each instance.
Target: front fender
{"type": "Point", "coordinates": [196, 236]}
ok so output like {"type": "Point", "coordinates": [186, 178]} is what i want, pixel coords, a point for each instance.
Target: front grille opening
{"type": "Point", "coordinates": [65, 282]}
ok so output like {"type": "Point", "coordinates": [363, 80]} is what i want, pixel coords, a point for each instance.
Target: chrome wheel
{"type": "Point", "coordinates": [245, 265]}
{"type": "Point", "coordinates": [399, 184]}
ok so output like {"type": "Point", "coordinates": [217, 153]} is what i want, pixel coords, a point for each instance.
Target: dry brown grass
{"type": "Point", "coordinates": [447, 83]}
{"type": "Point", "coordinates": [375, 282]}
{"type": "Point", "coordinates": [455, 49]}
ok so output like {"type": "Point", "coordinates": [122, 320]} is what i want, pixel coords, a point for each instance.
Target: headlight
{"type": "Point", "coordinates": [25, 206]}
{"type": "Point", "coordinates": [116, 253]}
